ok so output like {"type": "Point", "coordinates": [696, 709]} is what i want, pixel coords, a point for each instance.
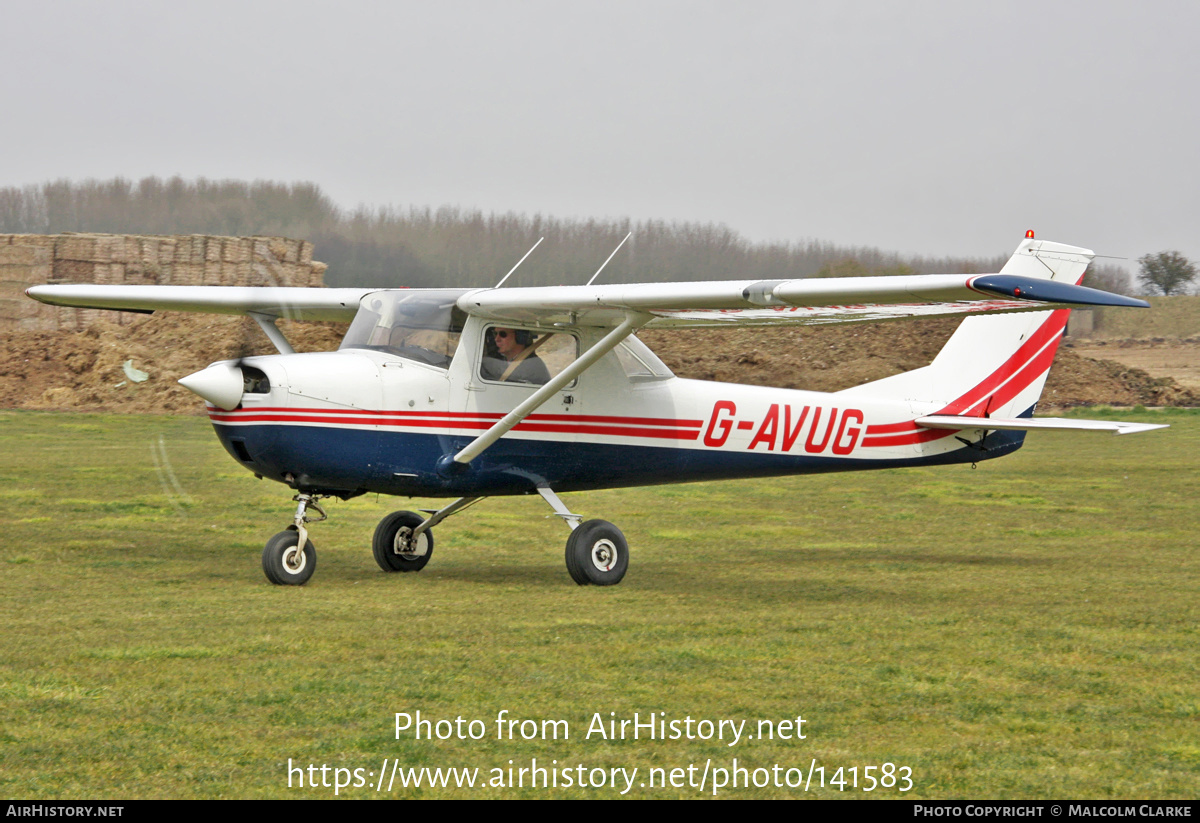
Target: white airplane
{"type": "Point", "coordinates": [474, 393]}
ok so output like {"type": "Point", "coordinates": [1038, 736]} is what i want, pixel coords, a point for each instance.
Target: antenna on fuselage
{"type": "Point", "coordinates": [519, 262]}
{"type": "Point", "coordinates": [610, 257]}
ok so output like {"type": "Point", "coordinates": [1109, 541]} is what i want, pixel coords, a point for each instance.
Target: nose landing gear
{"type": "Point", "coordinates": [289, 558]}
{"type": "Point", "coordinates": [284, 563]}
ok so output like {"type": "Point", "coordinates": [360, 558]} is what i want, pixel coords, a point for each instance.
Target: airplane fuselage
{"type": "Point", "coordinates": [355, 420]}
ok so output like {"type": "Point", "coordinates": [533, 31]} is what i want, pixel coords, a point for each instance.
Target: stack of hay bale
{"type": "Point", "coordinates": [122, 259]}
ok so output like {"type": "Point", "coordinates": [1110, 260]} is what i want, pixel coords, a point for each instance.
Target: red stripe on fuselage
{"type": "Point", "coordinates": [488, 417]}
{"type": "Point", "coordinates": [1045, 335]}
{"type": "Point", "coordinates": [1016, 374]}
{"type": "Point", "coordinates": [659, 429]}
{"type": "Point", "coordinates": [892, 428]}
{"type": "Point", "coordinates": [921, 435]}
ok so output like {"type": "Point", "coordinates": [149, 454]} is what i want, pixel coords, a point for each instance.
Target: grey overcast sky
{"type": "Point", "coordinates": [929, 127]}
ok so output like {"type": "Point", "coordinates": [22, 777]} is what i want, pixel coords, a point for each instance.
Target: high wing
{"type": "Point", "coordinates": [788, 302]}
{"type": "Point", "coordinates": [270, 301]}
{"type": "Point", "coordinates": [1040, 275]}
{"type": "Point", "coordinates": [678, 305]}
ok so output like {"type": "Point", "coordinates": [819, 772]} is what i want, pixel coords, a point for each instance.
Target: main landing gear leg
{"type": "Point", "coordinates": [404, 540]}
{"type": "Point", "coordinates": [597, 553]}
{"type": "Point", "coordinates": [289, 558]}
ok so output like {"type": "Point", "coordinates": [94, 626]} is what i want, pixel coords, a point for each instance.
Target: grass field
{"type": "Point", "coordinates": [1024, 630]}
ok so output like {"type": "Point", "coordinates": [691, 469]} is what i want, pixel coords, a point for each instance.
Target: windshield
{"type": "Point", "coordinates": [422, 325]}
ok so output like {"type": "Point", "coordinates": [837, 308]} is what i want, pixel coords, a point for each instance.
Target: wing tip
{"type": "Point", "coordinates": [1050, 291]}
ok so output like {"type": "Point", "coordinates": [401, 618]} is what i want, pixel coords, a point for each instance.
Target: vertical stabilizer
{"type": "Point", "coordinates": [996, 365]}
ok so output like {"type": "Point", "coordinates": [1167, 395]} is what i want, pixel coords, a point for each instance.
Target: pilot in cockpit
{"type": "Point", "coordinates": [510, 356]}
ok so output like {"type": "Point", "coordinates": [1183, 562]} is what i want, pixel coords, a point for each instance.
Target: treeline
{"type": "Point", "coordinates": [424, 247]}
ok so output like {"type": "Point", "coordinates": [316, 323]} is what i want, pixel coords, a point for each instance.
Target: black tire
{"type": "Point", "coordinates": [573, 568]}
{"type": "Point", "coordinates": [283, 565]}
{"type": "Point", "coordinates": [597, 554]}
{"type": "Point", "coordinates": [383, 546]}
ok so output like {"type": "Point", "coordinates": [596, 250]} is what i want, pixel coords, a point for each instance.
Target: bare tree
{"type": "Point", "coordinates": [1108, 277]}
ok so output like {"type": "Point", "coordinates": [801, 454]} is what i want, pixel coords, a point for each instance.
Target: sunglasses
{"type": "Point", "coordinates": [500, 335]}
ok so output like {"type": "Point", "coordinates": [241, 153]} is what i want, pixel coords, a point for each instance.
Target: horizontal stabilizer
{"type": "Point", "coordinates": [958, 423]}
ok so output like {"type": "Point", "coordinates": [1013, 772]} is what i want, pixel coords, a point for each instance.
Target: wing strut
{"type": "Point", "coordinates": [267, 324]}
{"type": "Point", "coordinates": [632, 323]}
{"type": "Point", "coordinates": [437, 516]}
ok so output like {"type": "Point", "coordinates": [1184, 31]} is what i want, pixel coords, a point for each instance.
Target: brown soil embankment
{"type": "Point", "coordinates": [83, 370]}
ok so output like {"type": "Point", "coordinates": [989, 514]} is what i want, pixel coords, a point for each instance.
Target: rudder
{"type": "Point", "coordinates": [996, 365]}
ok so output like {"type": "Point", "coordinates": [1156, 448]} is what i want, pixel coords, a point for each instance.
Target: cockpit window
{"type": "Point", "coordinates": [422, 325]}
{"type": "Point", "coordinates": [639, 363]}
{"type": "Point", "coordinates": [523, 356]}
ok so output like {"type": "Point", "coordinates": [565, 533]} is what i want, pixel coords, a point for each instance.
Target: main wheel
{"type": "Point", "coordinates": [284, 563]}
{"type": "Point", "coordinates": [393, 545]}
{"type": "Point", "coordinates": [597, 554]}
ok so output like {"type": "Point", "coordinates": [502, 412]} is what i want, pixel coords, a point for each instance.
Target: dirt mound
{"type": "Point", "coordinates": [1178, 359]}
{"type": "Point", "coordinates": [818, 358]}
{"type": "Point", "coordinates": [832, 358]}
{"type": "Point", "coordinates": [84, 370]}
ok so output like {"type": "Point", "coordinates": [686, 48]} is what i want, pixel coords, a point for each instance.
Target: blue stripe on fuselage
{"type": "Point", "coordinates": [390, 462]}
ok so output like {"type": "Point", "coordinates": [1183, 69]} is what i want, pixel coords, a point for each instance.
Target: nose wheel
{"type": "Point", "coordinates": [289, 558]}
{"type": "Point", "coordinates": [285, 563]}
